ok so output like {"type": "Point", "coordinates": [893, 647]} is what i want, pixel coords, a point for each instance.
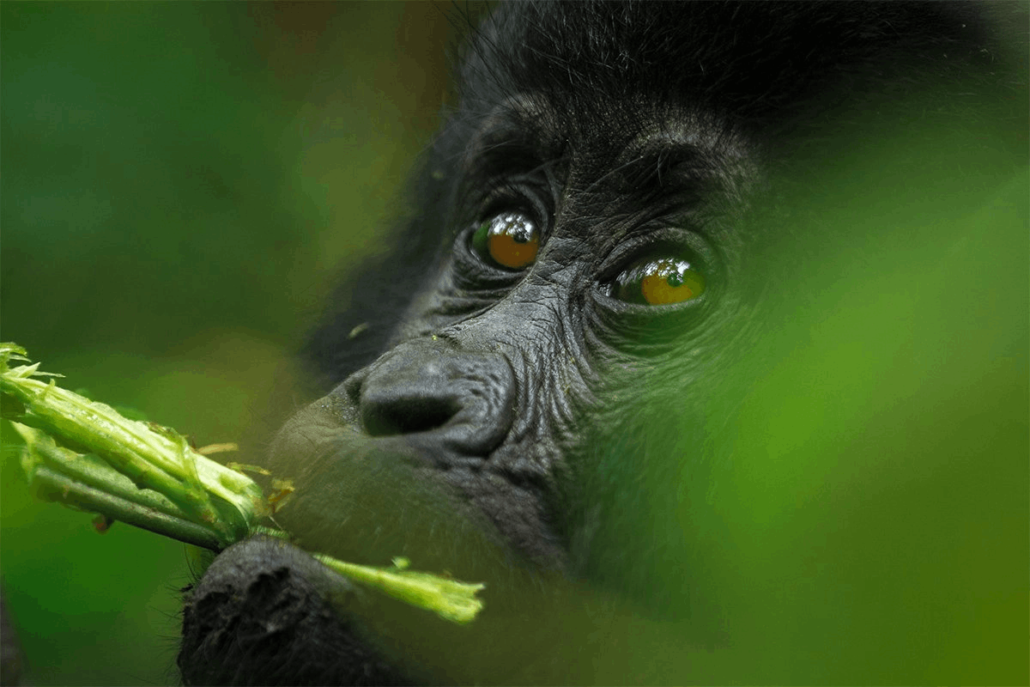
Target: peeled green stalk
{"type": "Point", "coordinates": [86, 482]}
{"type": "Point", "coordinates": [88, 456]}
{"type": "Point", "coordinates": [153, 457]}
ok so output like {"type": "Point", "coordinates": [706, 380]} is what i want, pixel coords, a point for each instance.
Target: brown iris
{"type": "Point", "coordinates": [660, 281]}
{"type": "Point", "coordinates": [509, 240]}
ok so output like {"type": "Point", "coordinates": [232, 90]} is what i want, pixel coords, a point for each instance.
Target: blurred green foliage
{"type": "Point", "coordinates": [181, 183]}
{"type": "Point", "coordinates": [877, 483]}
{"type": "Point", "coordinates": [867, 502]}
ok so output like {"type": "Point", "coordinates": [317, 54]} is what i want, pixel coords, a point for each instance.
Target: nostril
{"type": "Point", "coordinates": [392, 415]}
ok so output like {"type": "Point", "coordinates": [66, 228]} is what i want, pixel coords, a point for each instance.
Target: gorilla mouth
{"type": "Point", "coordinates": [266, 612]}
{"type": "Point", "coordinates": [359, 495]}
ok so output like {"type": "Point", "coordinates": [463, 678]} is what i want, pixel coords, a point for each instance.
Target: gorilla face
{"type": "Point", "coordinates": [532, 322]}
{"type": "Point", "coordinates": [540, 387]}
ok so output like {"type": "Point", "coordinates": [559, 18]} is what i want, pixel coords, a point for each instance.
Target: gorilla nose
{"type": "Point", "coordinates": [457, 400]}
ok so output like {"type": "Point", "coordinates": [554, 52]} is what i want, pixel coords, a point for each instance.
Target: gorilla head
{"type": "Point", "coordinates": [651, 259]}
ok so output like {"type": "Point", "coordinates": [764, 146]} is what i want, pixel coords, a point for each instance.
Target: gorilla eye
{"type": "Point", "coordinates": [509, 240]}
{"type": "Point", "coordinates": [661, 281]}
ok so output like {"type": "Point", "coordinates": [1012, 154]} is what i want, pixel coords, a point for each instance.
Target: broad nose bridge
{"type": "Point", "coordinates": [430, 390]}
{"type": "Point", "coordinates": [530, 322]}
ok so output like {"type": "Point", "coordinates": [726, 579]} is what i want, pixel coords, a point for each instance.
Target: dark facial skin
{"type": "Point", "coordinates": [532, 427]}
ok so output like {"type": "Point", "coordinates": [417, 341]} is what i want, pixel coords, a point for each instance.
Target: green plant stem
{"type": "Point", "coordinates": [54, 486]}
{"type": "Point", "coordinates": [86, 455]}
{"type": "Point", "coordinates": [153, 457]}
{"type": "Point", "coordinates": [87, 483]}
{"type": "Point", "coordinates": [449, 599]}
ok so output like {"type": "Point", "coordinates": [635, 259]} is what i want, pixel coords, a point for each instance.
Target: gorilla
{"type": "Point", "coordinates": [706, 325]}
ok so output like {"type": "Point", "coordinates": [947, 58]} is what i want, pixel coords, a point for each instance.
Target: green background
{"type": "Point", "coordinates": [181, 184]}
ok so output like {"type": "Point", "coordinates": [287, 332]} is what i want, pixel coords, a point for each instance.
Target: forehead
{"type": "Point", "coordinates": [630, 137]}
{"type": "Point", "coordinates": [607, 178]}
{"type": "Point", "coordinates": [645, 152]}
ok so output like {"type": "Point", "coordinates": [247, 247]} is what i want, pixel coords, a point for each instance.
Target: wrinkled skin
{"type": "Point", "coordinates": [532, 428]}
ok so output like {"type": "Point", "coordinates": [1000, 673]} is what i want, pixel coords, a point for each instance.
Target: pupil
{"type": "Point", "coordinates": [513, 225]}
